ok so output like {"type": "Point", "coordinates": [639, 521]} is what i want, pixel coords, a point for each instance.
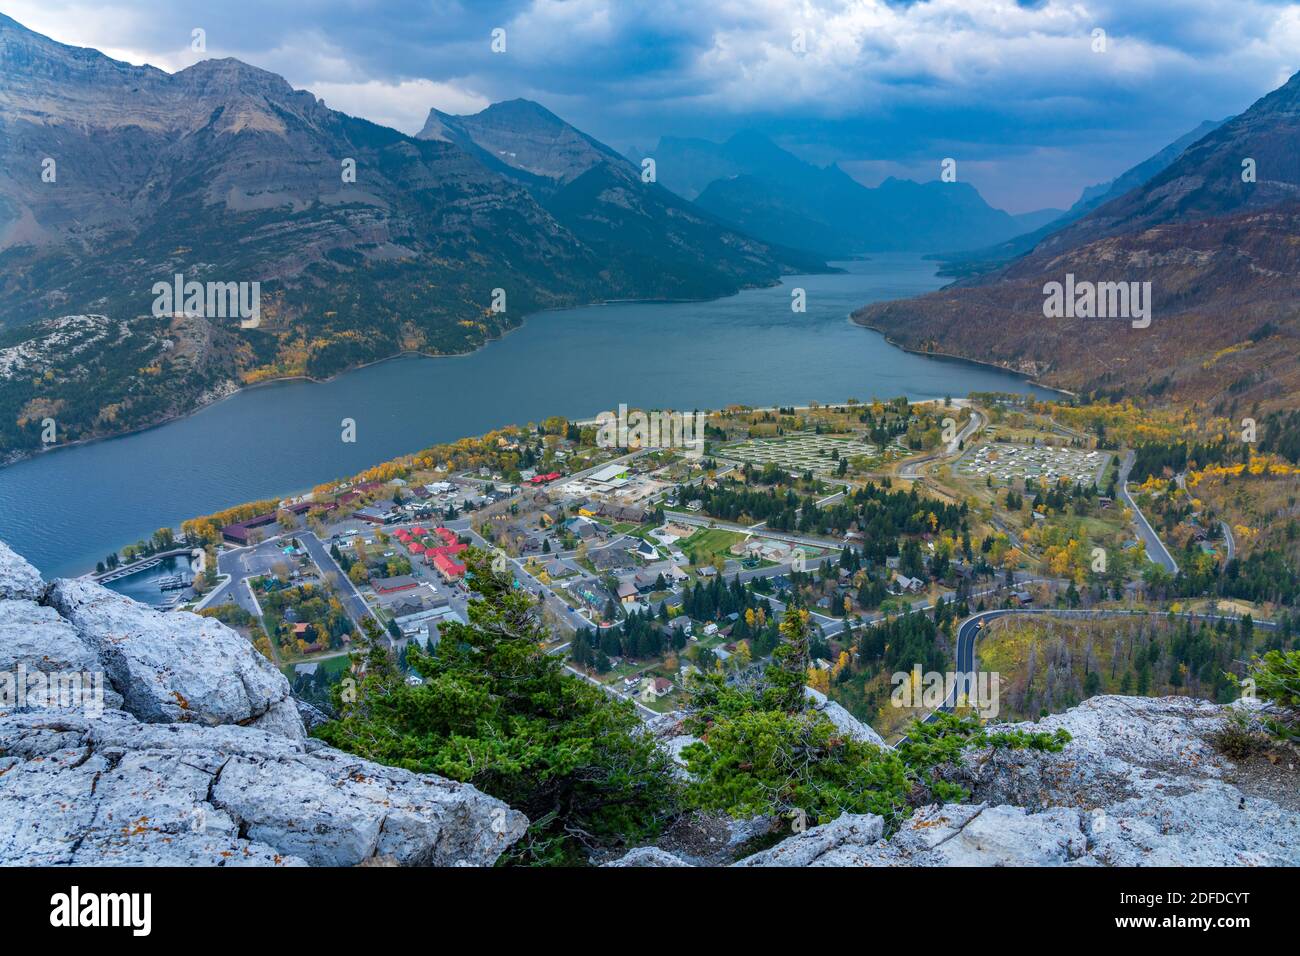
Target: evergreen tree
{"type": "Point", "coordinates": [497, 711]}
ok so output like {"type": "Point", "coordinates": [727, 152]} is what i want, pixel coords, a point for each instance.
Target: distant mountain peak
{"type": "Point", "coordinates": [525, 136]}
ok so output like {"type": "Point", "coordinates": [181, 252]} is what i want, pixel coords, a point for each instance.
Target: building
{"type": "Point", "coordinates": [627, 592]}
{"type": "Point", "coordinates": [380, 513]}
{"type": "Point", "coordinates": [403, 582]}
{"type": "Point", "coordinates": [911, 585]}
{"type": "Point", "coordinates": [613, 475]}
{"type": "Point", "coordinates": [240, 532]}
{"type": "Point", "coordinates": [445, 563]}
{"type": "Point", "coordinates": [655, 689]}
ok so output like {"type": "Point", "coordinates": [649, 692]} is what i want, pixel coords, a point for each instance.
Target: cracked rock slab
{"type": "Point", "coordinates": [176, 667]}
{"type": "Point", "coordinates": [18, 579]}
{"type": "Point", "coordinates": [34, 639]}
{"type": "Point", "coordinates": [113, 791]}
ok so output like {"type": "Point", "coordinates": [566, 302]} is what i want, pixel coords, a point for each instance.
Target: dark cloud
{"type": "Point", "coordinates": [1018, 91]}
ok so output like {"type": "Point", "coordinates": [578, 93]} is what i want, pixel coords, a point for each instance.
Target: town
{"type": "Point", "coordinates": [649, 564]}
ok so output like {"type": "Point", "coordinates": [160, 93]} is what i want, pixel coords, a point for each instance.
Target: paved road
{"type": "Point", "coordinates": [972, 628]}
{"type": "Point", "coordinates": [912, 469]}
{"type": "Point", "coordinates": [1156, 549]}
{"type": "Point", "coordinates": [614, 692]}
{"type": "Point", "coordinates": [349, 596]}
{"type": "Point", "coordinates": [240, 564]}
{"type": "Point", "coordinates": [1229, 544]}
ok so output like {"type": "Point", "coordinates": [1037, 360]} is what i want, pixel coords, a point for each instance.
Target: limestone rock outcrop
{"type": "Point", "coordinates": [178, 744]}
{"type": "Point", "coordinates": [1140, 784]}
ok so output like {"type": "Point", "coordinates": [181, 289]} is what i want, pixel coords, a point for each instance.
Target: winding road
{"type": "Point", "coordinates": [1156, 549]}
{"type": "Point", "coordinates": [973, 627]}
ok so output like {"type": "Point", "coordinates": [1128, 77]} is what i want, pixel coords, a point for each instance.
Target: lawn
{"type": "Point", "coordinates": [708, 544]}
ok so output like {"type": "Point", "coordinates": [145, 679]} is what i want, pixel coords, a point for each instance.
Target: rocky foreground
{"type": "Point", "coordinates": [198, 756]}
{"type": "Point", "coordinates": [1139, 785]}
{"type": "Point", "coordinates": [194, 753]}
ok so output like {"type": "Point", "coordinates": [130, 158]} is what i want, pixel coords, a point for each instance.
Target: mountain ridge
{"type": "Point", "coordinates": [762, 189]}
{"type": "Point", "coordinates": [222, 172]}
{"type": "Point", "coordinates": [1221, 259]}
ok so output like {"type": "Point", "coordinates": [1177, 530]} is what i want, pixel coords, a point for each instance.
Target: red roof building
{"type": "Point", "coordinates": [447, 567]}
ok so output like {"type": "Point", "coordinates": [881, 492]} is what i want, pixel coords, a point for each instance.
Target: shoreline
{"type": "Point", "coordinates": [292, 495]}
{"type": "Point", "coordinates": [964, 359]}
{"type": "Point", "coordinates": [18, 457]}
{"type": "Point", "coordinates": [236, 389]}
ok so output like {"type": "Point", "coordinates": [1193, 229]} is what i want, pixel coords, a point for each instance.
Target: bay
{"type": "Point", "coordinates": [66, 509]}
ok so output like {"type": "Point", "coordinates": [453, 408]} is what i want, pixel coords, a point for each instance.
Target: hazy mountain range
{"type": "Point", "coordinates": [1093, 196]}
{"type": "Point", "coordinates": [753, 184]}
{"type": "Point", "coordinates": [1220, 251]}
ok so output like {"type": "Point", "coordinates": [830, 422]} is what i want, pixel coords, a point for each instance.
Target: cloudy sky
{"type": "Point", "coordinates": [1020, 92]}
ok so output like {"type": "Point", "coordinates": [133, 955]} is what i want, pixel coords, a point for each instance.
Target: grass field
{"type": "Point", "coordinates": [708, 545]}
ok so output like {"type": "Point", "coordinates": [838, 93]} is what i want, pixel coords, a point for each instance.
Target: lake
{"type": "Point", "coordinates": [67, 509]}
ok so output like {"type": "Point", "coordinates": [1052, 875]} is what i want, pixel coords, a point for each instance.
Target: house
{"type": "Point", "coordinates": [646, 551]}
{"type": "Point", "coordinates": [1022, 597]}
{"type": "Point", "coordinates": [585, 529]}
{"type": "Point", "coordinates": [707, 571]}
{"type": "Point", "coordinates": [555, 568]}
{"type": "Point", "coordinates": [655, 689]}
{"type": "Point", "coordinates": [903, 583]}
{"type": "Point", "coordinates": [627, 592]}
{"type": "Point", "coordinates": [695, 504]}
{"type": "Point", "coordinates": [589, 509]}
{"type": "Point", "coordinates": [609, 559]}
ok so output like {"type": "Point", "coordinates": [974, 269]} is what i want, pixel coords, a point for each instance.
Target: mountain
{"type": "Point", "coordinates": [1221, 257]}
{"type": "Point", "coordinates": [980, 260]}
{"type": "Point", "coordinates": [768, 192]}
{"type": "Point", "coordinates": [1037, 218]}
{"type": "Point", "coordinates": [115, 177]}
{"type": "Point", "coordinates": [647, 236]}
